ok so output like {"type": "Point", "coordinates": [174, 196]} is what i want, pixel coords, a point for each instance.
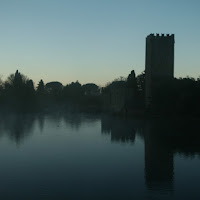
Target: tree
{"type": "Point", "coordinates": [29, 88]}
{"type": "Point", "coordinates": [141, 81]}
{"type": "Point", "coordinates": [40, 88]}
{"type": "Point", "coordinates": [1, 87]}
{"type": "Point", "coordinates": [18, 86]}
{"type": "Point", "coordinates": [16, 80]}
{"type": "Point", "coordinates": [131, 81]}
{"type": "Point", "coordinates": [73, 90]}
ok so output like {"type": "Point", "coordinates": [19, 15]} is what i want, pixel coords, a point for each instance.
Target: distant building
{"type": "Point", "coordinates": [118, 97]}
{"type": "Point", "coordinates": [114, 96]}
{"type": "Point", "coordinates": [159, 63]}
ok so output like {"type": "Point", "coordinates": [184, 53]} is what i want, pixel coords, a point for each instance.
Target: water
{"type": "Point", "coordinates": [86, 156]}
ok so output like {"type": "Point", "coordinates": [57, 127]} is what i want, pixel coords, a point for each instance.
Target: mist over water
{"type": "Point", "coordinates": [75, 155]}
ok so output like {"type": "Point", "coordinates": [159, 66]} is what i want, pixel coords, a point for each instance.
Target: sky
{"type": "Point", "coordinates": [93, 41]}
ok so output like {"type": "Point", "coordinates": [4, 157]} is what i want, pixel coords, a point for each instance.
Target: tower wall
{"type": "Point", "coordinates": [159, 63]}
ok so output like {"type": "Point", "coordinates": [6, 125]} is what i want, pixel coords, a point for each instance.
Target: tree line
{"type": "Point", "coordinates": [176, 96]}
{"type": "Point", "coordinates": [19, 91]}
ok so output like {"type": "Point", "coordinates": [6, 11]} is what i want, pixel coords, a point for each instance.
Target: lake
{"type": "Point", "coordinates": [87, 156]}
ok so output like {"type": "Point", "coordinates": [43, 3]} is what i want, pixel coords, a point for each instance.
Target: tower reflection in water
{"type": "Point", "coordinates": [162, 139]}
{"type": "Point", "coordinates": [159, 165]}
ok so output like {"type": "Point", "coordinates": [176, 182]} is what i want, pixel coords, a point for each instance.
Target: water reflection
{"type": "Point", "coordinates": [17, 126]}
{"type": "Point", "coordinates": [162, 138]}
{"type": "Point", "coordinates": [121, 129]}
{"type": "Point", "coordinates": [158, 154]}
{"type": "Point", "coordinates": [159, 164]}
{"type": "Point", "coordinates": [76, 120]}
{"type": "Point", "coordinates": [41, 120]}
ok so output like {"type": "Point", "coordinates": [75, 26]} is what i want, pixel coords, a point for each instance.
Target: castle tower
{"type": "Point", "coordinates": [159, 63]}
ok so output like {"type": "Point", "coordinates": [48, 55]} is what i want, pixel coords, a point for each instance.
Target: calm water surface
{"type": "Point", "coordinates": [85, 156]}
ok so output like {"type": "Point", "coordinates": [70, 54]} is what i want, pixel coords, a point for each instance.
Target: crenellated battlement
{"type": "Point", "coordinates": [157, 35]}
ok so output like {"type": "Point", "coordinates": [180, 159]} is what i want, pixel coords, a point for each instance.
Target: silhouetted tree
{"type": "Point", "coordinates": [1, 84]}
{"type": "Point", "coordinates": [40, 88]}
{"type": "Point", "coordinates": [15, 84]}
{"type": "Point", "coordinates": [131, 81]}
{"type": "Point", "coordinates": [141, 81]}
{"type": "Point", "coordinates": [29, 88]}
{"type": "Point", "coordinates": [18, 90]}
{"type": "Point", "coordinates": [16, 81]}
{"type": "Point", "coordinates": [177, 96]}
{"type": "Point", "coordinates": [73, 90]}
{"type": "Point", "coordinates": [1, 89]}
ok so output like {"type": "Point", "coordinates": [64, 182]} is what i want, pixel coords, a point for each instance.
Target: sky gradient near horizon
{"type": "Point", "coordinates": [93, 40]}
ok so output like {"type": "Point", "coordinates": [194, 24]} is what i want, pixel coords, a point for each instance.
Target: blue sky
{"type": "Point", "coordinates": [93, 40]}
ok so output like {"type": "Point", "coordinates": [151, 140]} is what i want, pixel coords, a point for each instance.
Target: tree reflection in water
{"type": "Point", "coordinates": [162, 138]}
{"type": "Point", "coordinates": [17, 126]}
{"type": "Point", "coordinates": [121, 129]}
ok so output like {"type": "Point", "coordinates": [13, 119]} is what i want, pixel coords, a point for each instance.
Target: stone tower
{"type": "Point", "coordinates": [159, 63]}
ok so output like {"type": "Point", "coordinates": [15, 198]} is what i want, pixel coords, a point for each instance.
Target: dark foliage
{"type": "Point", "coordinates": [169, 97]}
